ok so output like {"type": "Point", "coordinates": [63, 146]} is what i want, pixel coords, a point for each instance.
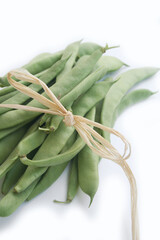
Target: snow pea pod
{"type": "Point", "coordinates": [72, 51]}
{"type": "Point", "coordinates": [114, 96]}
{"type": "Point", "coordinates": [37, 65]}
{"type": "Point", "coordinates": [75, 76]}
{"type": "Point", "coordinates": [54, 142]}
{"type": "Point", "coordinates": [45, 76]}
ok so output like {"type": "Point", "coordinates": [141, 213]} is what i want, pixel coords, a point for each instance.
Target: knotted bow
{"type": "Point", "coordinates": [95, 141]}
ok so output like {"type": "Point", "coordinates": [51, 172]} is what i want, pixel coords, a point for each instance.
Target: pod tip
{"type": "Point", "coordinates": [91, 200]}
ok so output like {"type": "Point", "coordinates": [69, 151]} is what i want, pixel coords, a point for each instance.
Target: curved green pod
{"type": "Point", "coordinates": [72, 182]}
{"type": "Point", "coordinates": [130, 99]}
{"type": "Point", "coordinates": [116, 93]}
{"type": "Point", "coordinates": [88, 172]}
{"type": "Point", "coordinates": [57, 159]}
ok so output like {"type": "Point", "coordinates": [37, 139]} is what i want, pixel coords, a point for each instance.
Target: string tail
{"type": "Point", "coordinates": [133, 190]}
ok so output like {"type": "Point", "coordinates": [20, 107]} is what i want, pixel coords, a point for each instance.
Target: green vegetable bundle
{"type": "Point", "coordinates": [35, 148]}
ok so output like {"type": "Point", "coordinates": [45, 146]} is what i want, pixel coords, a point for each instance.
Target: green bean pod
{"type": "Point", "coordinates": [72, 51]}
{"type": "Point", "coordinates": [13, 156]}
{"type": "Point", "coordinates": [81, 59]}
{"type": "Point", "coordinates": [130, 99]}
{"type": "Point", "coordinates": [31, 142]}
{"type": "Point", "coordinates": [8, 143]}
{"type": "Point", "coordinates": [6, 96]}
{"type": "Point", "coordinates": [111, 62]}
{"type": "Point", "coordinates": [7, 131]}
{"type": "Point", "coordinates": [88, 172]}
{"type": "Point", "coordinates": [116, 93]}
{"type": "Point", "coordinates": [87, 48]}
{"type": "Point", "coordinates": [9, 89]}
{"type": "Point", "coordinates": [74, 77]}
{"type": "Point", "coordinates": [12, 176]}
{"type": "Point", "coordinates": [98, 115]}
{"type": "Point", "coordinates": [37, 65]}
{"type": "Point", "coordinates": [72, 182]}
{"type": "Point", "coordinates": [12, 200]}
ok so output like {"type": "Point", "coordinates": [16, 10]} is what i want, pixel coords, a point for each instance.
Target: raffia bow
{"type": "Point", "coordinates": [95, 141]}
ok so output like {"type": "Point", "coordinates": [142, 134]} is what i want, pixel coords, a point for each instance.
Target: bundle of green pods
{"type": "Point", "coordinates": [36, 148]}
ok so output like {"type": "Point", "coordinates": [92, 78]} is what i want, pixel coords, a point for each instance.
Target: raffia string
{"type": "Point", "coordinates": [95, 141]}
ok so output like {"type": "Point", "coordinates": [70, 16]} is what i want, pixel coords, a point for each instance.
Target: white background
{"type": "Point", "coordinates": [28, 28]}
